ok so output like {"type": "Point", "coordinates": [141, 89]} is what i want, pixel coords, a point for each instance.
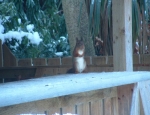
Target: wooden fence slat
{"type": "Point", "coordinates": [97, 107]}
{"type": "Point", "coordinates": [124, 99]}
{"type": "Point", "coordinates": [83, 109]}
{"type": "Point", "coordinates": [114, 106]}
{"type": "Point", "coordinates": [107, 106]}
{"type": "Point", "coordinates": [8, 58]}
{"type": "Point", "coordinates": [25, 62]}
{"type": "Point", "coordinates": [54, 61]}
{"type": "Point", "coordinates": [17, 110]}
{"type": "Point", "coordinates": [88, 60]}
{"type": "Point", "coordinates": [145, 96]}
{"type": "Point", "coordinates": [39, 61]}
{"type": "Point", "coordinates": [66, 61]}
{"type": "Point", "coordinates": [145, 59]}
{"type": "Point", "coordinates": [110, 60]}
{"type": "Point", "coordinates": [135, 106]}
{"type": "Point", "coordinates": [53, 111]}
{"type": "Point", "coordinates": [68, 109]}
{"type": "Point", "coordinates": [17, 73]}
{"type": "Point", "coordinates": [99, 60]}
{"type": "Point", "coordinates": [136, 59]}
{"type": "Point", "coordinates": [141, 106]}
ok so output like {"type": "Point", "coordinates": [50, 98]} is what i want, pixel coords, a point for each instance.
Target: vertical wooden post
{"type": "Point", "coordinates": [122, 35]}
{"type": "Point", "coordinates": [1, 54]}
{"type": "Point", "coordinates": [122, 49]}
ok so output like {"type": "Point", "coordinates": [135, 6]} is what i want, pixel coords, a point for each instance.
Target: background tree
{"type": "Point", "coordinates": [48, 21]}
{"type": "Point", "coordinates": [77, 23]}
{"type": "Point", "coordinates": [100, 20]}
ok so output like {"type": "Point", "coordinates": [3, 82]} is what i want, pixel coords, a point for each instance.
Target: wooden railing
{"type": "Point", "coordinates": [101, 101]}
{"type": "Point", "coordinates": [81, 94]}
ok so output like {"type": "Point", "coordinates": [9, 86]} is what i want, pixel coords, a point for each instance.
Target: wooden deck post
{"type": "Point", "coordinates": [122, 49]}
{"type": "Point", "coordinates": [1, 54]}
{"type": "Point", "coordinates": [122, 35]}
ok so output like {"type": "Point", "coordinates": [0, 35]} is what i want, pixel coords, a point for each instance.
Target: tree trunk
{"type": "Point", "coordinates": [75, 27]}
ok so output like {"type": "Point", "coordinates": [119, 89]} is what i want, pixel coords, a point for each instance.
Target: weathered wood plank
{"type": "Point", "coordinates": [114, 106]}
{"type": "Point", "coordinates": [68, 109]}
{"type": "Point", "coordinates": [83, 109]}
{"type": "Point", "coordinates": [145, 59]}
{"type": "Point", "coordinates": [53, 105]}
{"type": "Point", "coordinates": [107, 106]}
{"type": "Point", "coordinates": [97, 107]}
{"type": "Point", "coordinates": [141, 107]}
{"type": "Point", "coordinates": [17, 73]}
{"type": "Point", "coordinates": [54, 61]}
{"type": "Point", "coordinates": [53, 111]}
{"type": "Point", "coordinates": [122, 34]}
{"type": "Point", "coordinates": [1, 54]}
{"type": "Point", "coordinates": [124, 99]}
{"type": "Point", "coordinates": [99, 60]}
{"type": "Point", "coordinates": [66, 61]}
{"type": "Point", "coordinates": [145, 96]}
{"type": "Point", "coordinates": [136, 59]}
{"type": "Point", "coordinates": [9, 59]}
{"type": "Point", "coordinates": [135, 105]}
{"type": "Point", "coordinates": [25, 62]}
{"type": "Point", "coordinates": [39, 61]}
{"type": "Point", "coordinates": [88, 60]}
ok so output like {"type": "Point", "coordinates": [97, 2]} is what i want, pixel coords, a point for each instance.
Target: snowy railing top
{"type": "Point", "coordinates": [60, 85]}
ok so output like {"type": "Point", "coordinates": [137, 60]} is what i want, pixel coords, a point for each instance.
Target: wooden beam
{"type": "Point", "coordinates": [122, 48]}
{"type": "Point", "coordinates": [60, 85]}
{"type": "Point", "coordinates": [1, 54]}
{"type": "Point", "coordinates": [53, 105]}
{"type": "Point", "coordinates": [122, 35]}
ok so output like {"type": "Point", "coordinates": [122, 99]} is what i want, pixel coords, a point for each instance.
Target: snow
{"type": "Point", "coordinates": [33, 37]}
{"type": "Point", "coordinates": [60, 85]}
{"type": "Point", "coordinates": [59, 54]}
{"type": "Point", "coordinates": [1, 29]}
{"type": "Point", "coordinates": [63, 38]}
{"type": "Point", "coordinates": [52, 114]}
{"type": "Point", "coordinates": [19, 21]}
{"type": "Point", "coordinates": [65, 114]}
{"type": "Point", "coordinates": [30, 27]}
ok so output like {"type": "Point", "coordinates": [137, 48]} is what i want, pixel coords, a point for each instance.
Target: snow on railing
{"type": "Point", "coordinates": [60, 85]}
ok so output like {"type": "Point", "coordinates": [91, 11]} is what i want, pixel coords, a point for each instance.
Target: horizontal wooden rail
{"type": "Point", "coordinates": [60, 85]}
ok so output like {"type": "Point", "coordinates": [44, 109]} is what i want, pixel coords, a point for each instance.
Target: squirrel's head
{"type": "Point", "coordinates": [80, 43]}
{"type": "Point", "coordinates": [80, 48]}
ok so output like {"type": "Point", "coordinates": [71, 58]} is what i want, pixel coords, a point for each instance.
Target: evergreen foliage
{"type": "Point", "coordinates": [48, 20]}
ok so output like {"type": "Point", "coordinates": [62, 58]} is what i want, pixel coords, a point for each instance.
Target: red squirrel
{"type": "Point", "coordinates": [79, 63]}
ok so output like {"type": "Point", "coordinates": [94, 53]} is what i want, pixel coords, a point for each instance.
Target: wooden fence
{"type": "Point", "coordinates": [97, 102]}
{"type": "Point", "coordinates": [12, 69]}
